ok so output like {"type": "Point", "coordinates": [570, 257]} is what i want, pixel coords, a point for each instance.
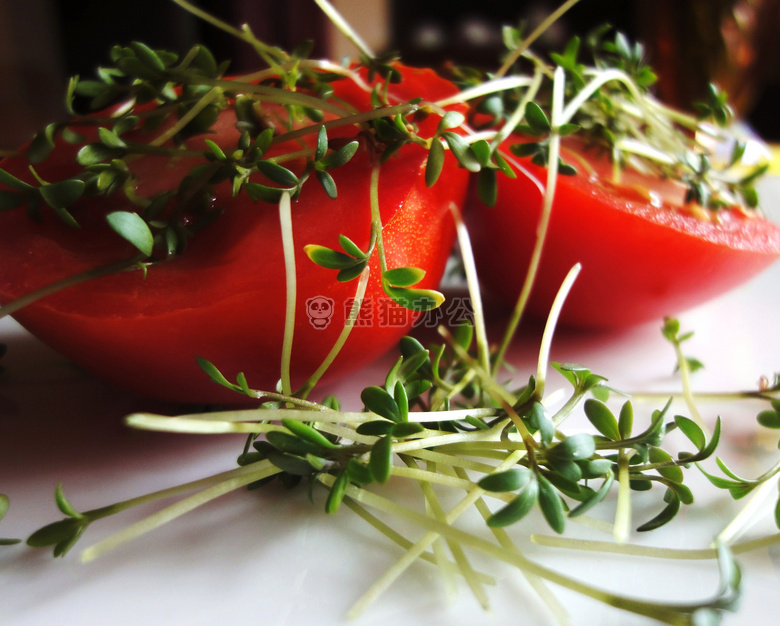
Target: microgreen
{"type": "Point", "coordinates": [440, 416]}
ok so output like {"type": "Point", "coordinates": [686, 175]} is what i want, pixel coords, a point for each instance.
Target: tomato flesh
{"type": "Point", "coordinates": [224, 298]}
{"type": "Point", "coordinates": [644, 255]}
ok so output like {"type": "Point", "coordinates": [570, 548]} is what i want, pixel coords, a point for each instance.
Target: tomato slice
{"type": "Point", "coordinates": [224, 298]}
{"type": "Point", "coordinates": [644, 253]}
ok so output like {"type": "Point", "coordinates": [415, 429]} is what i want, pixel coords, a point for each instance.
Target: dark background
{"type": "Point", "coordinates": [45, 41]}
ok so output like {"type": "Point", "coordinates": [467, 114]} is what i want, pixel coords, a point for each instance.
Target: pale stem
{"type": "Point", "coordinates": [436, 510]}
{"type": "Point", "coordinates": [544, 218]}
{"type": "Point", "coordinates": [686, 554]}
{"type": "Point", "coordinates": [685, 377]}
{"type": "Point", "coordinates": [549, 328]}
{"type": "Point", "coordinates": [748, 515]}
{"type": "Point", "coordinates": [288, 246]}
{"type": "Point", "coordinates": [176, 510]}
{"type": "Point", "coordinates": [622, 528]}
{"type": "Point", "coordinates": [345, 28]}
{"type": "Point", "coordinates": [483, 89]}
{"type": "Point", "coordinates": [470, 268]}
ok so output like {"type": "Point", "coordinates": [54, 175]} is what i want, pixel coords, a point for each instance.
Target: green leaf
{"type": "Point", "coordinates": [380, 460]}
{"type": "Point", "coordinates": [539, 420]}
{"type": "Point", "coordinates": [403, 276]}
{"type": "Point", "coordinates": [307, 433]}
{"type": "Point", "coordinates": [481, 150]}
{"type": "Point", "coordinates": [358, 473]}
{"type": "Point", "coordinates": [61, 535]}
{"type": "Point", "coordinates": [602, 419]}
{"type": "Point", "coordinates": [327, 183]}
{"type": "Point", "coordinates": [434, 163]}
{"type": "Point", "coordinates": [462, 151]}
{"type": "Point", "coordinates": [322, 144]}
{"type": "Point", "coordinates": [11, 181]}
{"type": "Point", "coordinates": [110, 139]}
{"type": "Point", "coordinates": [4, 504]}
{"type": "Point", "coordinates": [331, 259]}
{"type": "Point", "coordinates": [378, 401]}
{"type": "Point", "coordinates": [336, 495]}
{"type": "Point", "coordinates": [769, 418]}
{"type": "Point", "coordinates": [406, 429]}
{"type": "Point", "coordinates": [451, 119]}
{"type": "Point", "coordinates": [672, 472]}
{"type": "Point", "coordinates": [65, 507]}
{"type": "Point", "coordinates": [264, 193]}
{"type": "Point", "coordinates": [691, 430]}
{"type": "Point", "coordinates": [537, 119]}
{"type": "Point", "coordinates": [664, 517]}
{"type": "Point", "coordinates": [552, 505]}
{"type": "Point", "coordinates": [134, 229]}
{"type": "Point", "coordinates": [339, 157]}
{"type": "Point", "coordinates": [42, 144]}
{"type": "Point", "coordinates": [285, 442]}
{"type": "Point", "coordinates": [276, 173]}
{"type": "Point", "coordinates": [350, 273]}
{"type": "Point", "coordinates": [402, 401]}
{"type": "Point", "coordinates": [62, 194]}
{"type": "Point", "coordinates": [351, 248]}
{"type": "Point", "coordinates": [517, 508]}
{"type": "Point", "coordinates": [214, 374]}
{"type": "Point", "coordinates": [487, 187]}
{"type": "Point", "coordinates": [508, 480]}
{"type": "Point", "coordinates": [415, 299]}
{"type": "Point", "coordinates": [626, 420]}
{"type": "Point", "coordinates": [215, 150]}
{"type": "Point", "coordinates": [291, 463]}
{"type": "Point", "coordinates": [575, 447]}
{"type": "Point", "coordinates": [375, 428]}
{"type": "Point", "coordinates": [587, 504]}
{"type": "Point", "coordinates": [97, 153]}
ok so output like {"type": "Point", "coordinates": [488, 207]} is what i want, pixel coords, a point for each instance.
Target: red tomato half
{"type": "Point", "coordinates": [644, 255]}
{"type": "Point", "coordinates": [224, 298]}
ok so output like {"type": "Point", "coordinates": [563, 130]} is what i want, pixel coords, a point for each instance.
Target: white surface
{"type": "Point", "coordinates": [272, 558]}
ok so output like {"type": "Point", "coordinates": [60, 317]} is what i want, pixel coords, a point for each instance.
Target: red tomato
{"type": "Point", "coordinates": [644, 254]}
{"type": "Point", "coordinates": [224, 298]}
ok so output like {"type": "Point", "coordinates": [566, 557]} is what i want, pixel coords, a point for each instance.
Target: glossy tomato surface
{"type": "Point", "coordinates": [224, 298]}
{"type": "Point", "coordinates": [644, 254]}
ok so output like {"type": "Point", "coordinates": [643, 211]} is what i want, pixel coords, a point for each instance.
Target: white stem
{"type": "Point", "coordinates": [288, 245]}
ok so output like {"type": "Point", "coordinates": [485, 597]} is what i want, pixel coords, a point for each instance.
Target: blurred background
{"type": "Point", "coordinates": [689, 42]}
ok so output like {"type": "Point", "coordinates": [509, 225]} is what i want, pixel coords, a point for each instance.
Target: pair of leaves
{"type": "Point", "coordinates": [350, 261]}
{"type": "Point", "coordinates": [459, 147]}
{"type": "Point", "coordinates": [532, 488]}
{"type": "Point", "coordinates": [61, 535]}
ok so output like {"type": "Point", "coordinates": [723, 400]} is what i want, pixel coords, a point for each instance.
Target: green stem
{"type": "Point", "coordinates": [357, 304]}
{"type": "Point", "coordinates": [537, 32]}
{"type": "Point", "coordinates": [106, 270]}
{"type": "Point", "coordinates": [376, 218]}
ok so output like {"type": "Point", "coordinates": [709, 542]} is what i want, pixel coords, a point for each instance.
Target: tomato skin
{"type": "Point", "coordinates": [640, 261]}
{"type": "Point", "coordinates": [224, 298]}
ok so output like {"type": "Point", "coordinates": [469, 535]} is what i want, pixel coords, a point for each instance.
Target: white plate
{"type": "Point", "coordinates": [273, 558]}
